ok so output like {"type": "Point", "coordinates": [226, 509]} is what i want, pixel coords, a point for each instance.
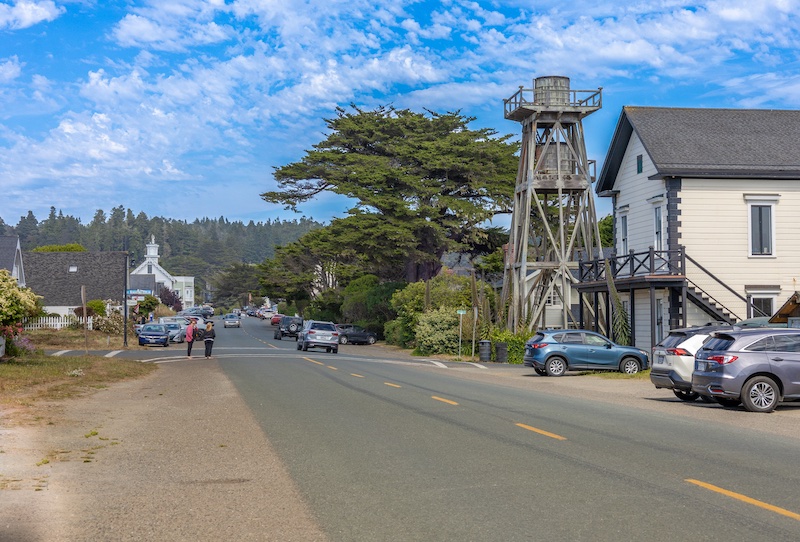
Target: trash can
{"type": "Point", "coordinates": [485, 350]}
{"type": "Point", "coordinates": [501, 352]}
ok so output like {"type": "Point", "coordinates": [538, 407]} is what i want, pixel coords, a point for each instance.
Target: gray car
{"type": "Point", "coordinates": [316, 334]}
{"type": "Point", "coordinates": [755, 367]}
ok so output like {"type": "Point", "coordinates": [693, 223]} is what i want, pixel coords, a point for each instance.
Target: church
{"type": "Point", "coordinates": [183, 286]}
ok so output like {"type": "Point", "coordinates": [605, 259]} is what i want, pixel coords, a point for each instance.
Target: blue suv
{"type": "Point", "coordinates": [554, 352]}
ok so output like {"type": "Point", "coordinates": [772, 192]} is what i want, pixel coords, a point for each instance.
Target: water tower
{"type": "Point", "coordinates": [553, 222]}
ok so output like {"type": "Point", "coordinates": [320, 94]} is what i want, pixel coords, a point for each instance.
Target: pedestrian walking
{"type": "Point", "coordinates": [191, 333]}
{"type": "Point", "coordinates": [208, 338]}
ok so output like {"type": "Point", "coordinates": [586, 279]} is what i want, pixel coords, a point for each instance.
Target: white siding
{"type": "Point", "coordinates": [714, 230]}
{"type": "Point", "coordinates": [635, 189]}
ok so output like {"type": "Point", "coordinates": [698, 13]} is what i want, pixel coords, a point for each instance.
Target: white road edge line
{"type": "Point", "coordinates": [112, 354]}
{"type": "Point", "coordinates": [61, 352]}
{"type": "Point", "coordinates": [437, 363]}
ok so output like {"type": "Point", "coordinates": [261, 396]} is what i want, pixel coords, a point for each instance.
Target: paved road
{"type": "Point", "coordinates": [378, 446]}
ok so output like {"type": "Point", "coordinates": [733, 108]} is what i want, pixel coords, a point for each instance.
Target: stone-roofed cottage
{"type": "Point", "coordinates": [58, 277]}
{"type": "Point", "coordinates": [11, 257]}
{"type": "Point", "coordinates": [706, 209]}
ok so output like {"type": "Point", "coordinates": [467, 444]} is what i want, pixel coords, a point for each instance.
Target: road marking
{"type": "Point", "coordinates": [312, 361]}
{"type": "Point", "coordinates": [448, 401]}
{"type": "Point", "coordinates": [112, 354]}
{"type": "Point", "coordinates": [357, 375]}
{"type": "Point", "coordinates": [392, 385]}
{"type": "Point", "coordinates": [438, 364]}
{"type": "Point", "coordinates": [61, 352]}
{"type": "Point", "coordinates": [332, 368]}
{"type": "Point", "coordinates": [745, 498]}
{"type": "Point", "coordinates": [541, 431]}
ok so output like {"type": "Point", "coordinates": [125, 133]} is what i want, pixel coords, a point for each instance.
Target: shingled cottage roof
{"type": "Point", "coordinates": [712, 143]}
{"type": "Point", "coordinates": [58, 276]}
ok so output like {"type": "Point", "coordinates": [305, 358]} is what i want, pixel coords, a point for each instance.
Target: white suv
{"type": "Point", "coordinates": [673, 360]}
{"type": "Point", "coordinates": [316, 334]}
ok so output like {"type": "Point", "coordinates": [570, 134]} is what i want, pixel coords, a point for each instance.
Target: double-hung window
{"type": "Point", "coordinates": [761, 219]}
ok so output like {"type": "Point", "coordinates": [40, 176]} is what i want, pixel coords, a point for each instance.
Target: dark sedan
{"type": "Point", "coordinates": [350, 334]}
{"type": "Point", "coordinates": [154, 334]}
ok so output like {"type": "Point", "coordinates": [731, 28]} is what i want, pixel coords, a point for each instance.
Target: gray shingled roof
{"type": "Point", "coordinates": [103, 274]}
{"type": "Point", "coordinates": [726, 143]}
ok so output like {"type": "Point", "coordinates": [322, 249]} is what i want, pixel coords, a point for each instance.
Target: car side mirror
{"type": "Point", "coordinates": [609, 345]}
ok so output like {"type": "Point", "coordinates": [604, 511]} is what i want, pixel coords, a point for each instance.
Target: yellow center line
{"type": "Point", "coordinates": [745, 498]}
{"type": "Point", "coordinates": [541, 432]}
{"type": "Point", "coordinates": [448, 401]}
{"type": "Point", "coordinates": [332, 368]}
{"type": "Point", "coordinates": [357, 375]}
{"type": "Point", "coordinates": [312, 361]}
{"type": "Point", "coordinates": [392, 385]}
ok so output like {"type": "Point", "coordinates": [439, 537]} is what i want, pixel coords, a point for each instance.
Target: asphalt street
{"type": "Point", "coordinates": [373, 445]}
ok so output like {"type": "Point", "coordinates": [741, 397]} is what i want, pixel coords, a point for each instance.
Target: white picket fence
{"type": "Point", "coordinates": [53, 322]}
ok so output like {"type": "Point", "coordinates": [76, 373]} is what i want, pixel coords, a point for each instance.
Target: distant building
{"type": "Point", "coordinates": [11, 257]}
{"type": "Point", "coordinates": [183, 286]}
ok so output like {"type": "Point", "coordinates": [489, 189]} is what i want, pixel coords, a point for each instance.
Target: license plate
{"type": "Point", "coordinates": [325, 337]}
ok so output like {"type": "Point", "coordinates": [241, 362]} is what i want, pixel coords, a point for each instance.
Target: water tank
{"type": "Point", "coordinates": [548, 161]}
{"type": "Point", "coordinates": [551, 90]}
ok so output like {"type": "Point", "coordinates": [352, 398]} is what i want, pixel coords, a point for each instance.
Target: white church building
{"type": "Point", "coordinates": [183, 286]}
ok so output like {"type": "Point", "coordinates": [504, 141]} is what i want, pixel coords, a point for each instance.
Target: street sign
{"type": "Point", "coordinates": [461, 311]}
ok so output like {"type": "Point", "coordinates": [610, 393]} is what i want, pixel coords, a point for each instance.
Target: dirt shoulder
{"type": "Point", "coordinates": [169, 447]}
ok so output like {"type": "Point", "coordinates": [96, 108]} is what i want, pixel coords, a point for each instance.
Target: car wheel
{"type": "Point", "coordinates": [343, 339]}
{"type": "Point", "coordinates": [293, 328]}
{"type": "Point", "coordinates": [305, 346]}
{"type": "Point", "coordinates": [760, 394]}
{"type": "Point", "coordinates": [328, 350]}
{"type": "Point", "coordinates": [540, 372]}
{"type": "Point", "coordinates": [279, 336]}
{"type": "Point", "coordinates": [629, 366]}
{"type": "Point", "coordinates": [335, 350]}
{"type": "Point", "coordinates": [299, 346]}
{"type": "Point", "coordinates": [688, 396]}
{"type": "Point", "coordinates": [727, 402]}
{"type": "Point", "coordinates": [371, 340]}
{"type": "Point", "coordinates": [556, 366]}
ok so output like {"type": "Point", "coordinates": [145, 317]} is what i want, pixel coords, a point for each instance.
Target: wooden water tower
{"type": "Point", "coordinates": [553, 222]}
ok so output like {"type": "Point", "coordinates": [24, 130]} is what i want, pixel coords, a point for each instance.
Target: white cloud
{"type": "Point", "coordinates": [10, 69]}
{"type": "Point", "coordinates": [27, 13]}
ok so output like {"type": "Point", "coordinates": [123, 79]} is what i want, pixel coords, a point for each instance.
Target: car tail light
{"type": "Point", "coordinates": [311, 331]}
{"type": "Point", "coordinates": [335, 333]}
{"type": "Point", "coordinates": [538, 345]}
{"type": "Point", "coordinates": [678, 352]}
{"type": "Point", "coordinates": [723, 359]}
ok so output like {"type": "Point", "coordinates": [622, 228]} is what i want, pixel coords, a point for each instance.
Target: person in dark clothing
{"type": "Point", "coordinates": [208, 338]}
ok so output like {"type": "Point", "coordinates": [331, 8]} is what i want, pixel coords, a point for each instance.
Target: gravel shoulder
{"type": "Point", "coordinates": [173, 456]}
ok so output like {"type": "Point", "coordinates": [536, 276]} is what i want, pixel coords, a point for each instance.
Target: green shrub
{"type": "Point", "coordinates": [96, 307]}
{"type": "Point", "coordinates": [515, 341]}
{"type": "Point", "coordinates": [437, 332]}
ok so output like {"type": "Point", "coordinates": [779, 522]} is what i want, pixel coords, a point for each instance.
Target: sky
{"type": "Point", "coordinates": [183, 108]}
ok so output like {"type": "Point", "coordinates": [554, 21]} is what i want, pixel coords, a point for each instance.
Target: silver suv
{"type": "Point", "coordinates": [673, 360]}
{"type": "Point", "coordinates": [755, 367]}
{"type": "Point", "coordinates": [316, 334]}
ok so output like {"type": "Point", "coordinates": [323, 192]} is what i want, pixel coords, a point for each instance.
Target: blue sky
{"type": "Point", "coordinates": [181, 108]}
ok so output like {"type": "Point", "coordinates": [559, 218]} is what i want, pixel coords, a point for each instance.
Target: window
{"type": "Point", "coordinates": [623, 233]}
{"type": "Point", "coordinates": [594, 340]}
{"type": "Point", "coordinates": [761, 216]}
{"type": "Point", "coordinates": [639, 163]}
{"type": "Point", "coordinates": [658, 222]}
{"type": "Point", "coordinates": [762, 306]}
{"type": "Point", "coordinates": [149, 269]}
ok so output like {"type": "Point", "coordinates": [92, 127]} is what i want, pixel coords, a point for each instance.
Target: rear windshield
{"type": "Point", "coordinates": [323, 327]}
{"type": "Point", "coordinates": [673, 339]}
{"type": "Point", "coordinates": [537, 338]}
{"type": "Point", "coordinates": [719, 342]}
{"type": "Point", "coordinates": [153, 327]}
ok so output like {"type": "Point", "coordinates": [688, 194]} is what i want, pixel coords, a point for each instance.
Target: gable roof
{"type": "Point", "coordinates": [103, 274]}
{"type": "Point", "coordinates": [11, 257]}
{"type": "Point", "coordinates": [719, 143]}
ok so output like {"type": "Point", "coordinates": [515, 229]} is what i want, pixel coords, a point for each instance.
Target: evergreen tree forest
{"type": "Point", "coordinates": [199, 249]}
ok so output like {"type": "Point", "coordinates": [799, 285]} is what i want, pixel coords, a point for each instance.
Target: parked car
{"type": "Point", "coordinates": [316, 334]}
{"type": "Point", "coordinates": [554, 352]}
{"type": "Point", "coordinates": [289, 326]}
{"type": "Point", "coordinates": [348, 333]}
{"type": "Point", "coordinates": [154, 334]}
{"type": "Point", "coordinates": [673, 360]}
{"type": "Point", "coordinates": [755, 367]}
{"type": "Point", "coordinates": [275, 319]}
{"type": "Point", "coordinates": [231, 320]}
{"type": "Point", "coordinates": [758, 321]}
{"type": "Point", "coordinates": [177, 332]}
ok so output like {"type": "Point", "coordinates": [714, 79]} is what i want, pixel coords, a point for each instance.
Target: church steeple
{"type": "Point", "coordinates": [151, 256]}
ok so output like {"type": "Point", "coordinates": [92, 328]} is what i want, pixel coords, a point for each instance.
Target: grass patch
{"type": "Point", "coordinates": [73, 339]}
{"type": "Point", "coordinates": [616, 375]}
{"type": "Point", "coordinates": [40, 377]}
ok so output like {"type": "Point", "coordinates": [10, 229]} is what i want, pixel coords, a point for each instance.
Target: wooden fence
{"type": "Point", "coordinates": [54, 322]}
